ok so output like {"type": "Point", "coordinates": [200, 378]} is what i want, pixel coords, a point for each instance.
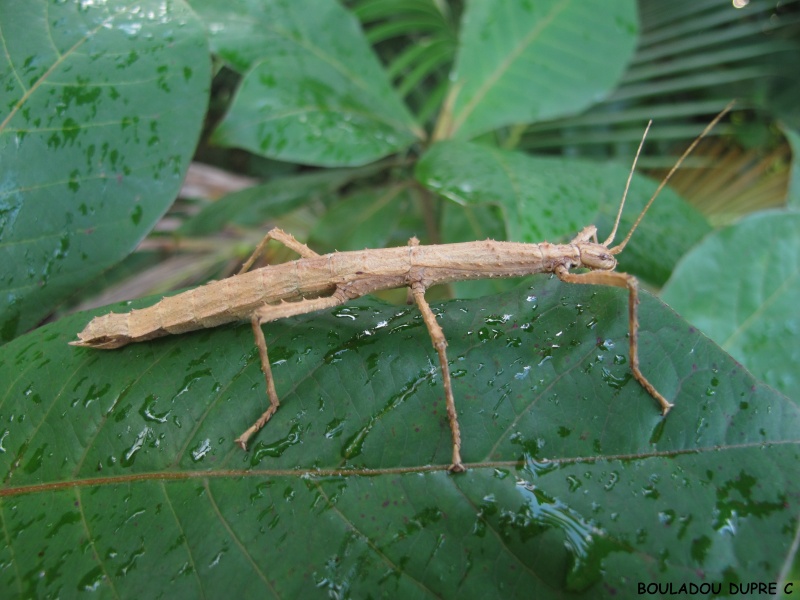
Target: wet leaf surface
{"type": "Point", "coordinates": [102, 106]}
{"type": "Point", "coordinates": [120, 474]}
{"type": "Point", "coordinates": [741, 286]}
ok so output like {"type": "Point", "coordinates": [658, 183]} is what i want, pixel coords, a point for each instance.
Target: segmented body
{"type": "Point", "coordinates": [353, 273]}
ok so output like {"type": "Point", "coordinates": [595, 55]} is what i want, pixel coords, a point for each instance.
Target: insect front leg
{"type": "Point", "coordinates": [272, 312]}
{"type": "Point", "coordinates": [623, 280]}
{"type": "Point", "coordinates": [440, 343]}
{"type": "Point", "coordinates": [279, 235]}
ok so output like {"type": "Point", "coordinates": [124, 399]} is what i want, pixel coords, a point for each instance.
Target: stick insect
{"type": "Point", "coordinates": [313, 283]}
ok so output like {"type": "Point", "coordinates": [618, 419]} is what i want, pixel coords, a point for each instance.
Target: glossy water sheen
{"type": "Point", "coordinates": [575, 486]}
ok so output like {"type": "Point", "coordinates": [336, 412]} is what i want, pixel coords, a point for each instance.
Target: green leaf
{"type": "Point", "coordinates": [741, 286]}
{"type": "Point", "coordinates": [520, 62]}
{"type": "Point", "coordinates": [120, 474]}
{"type": "Point", "coordinates": [314, 92]}
{"type": "Point", "coordinates": [423, 48]}
{"type": "Point", "coordinates": [692, 58]}
{"type": "Point", "coordinates": [102, 105]}
{"type": "Point", "coordinates": [552, 199]}
{"type": "Point", "coordinates": [375, 218]}
{"type": "Point", "coordinates": [256, 205]}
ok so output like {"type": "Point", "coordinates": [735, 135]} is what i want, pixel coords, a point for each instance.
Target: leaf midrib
{"type": "Point", "coordinates": [299, 474]}
{"type": "Point", "coordinates": [490, 82]}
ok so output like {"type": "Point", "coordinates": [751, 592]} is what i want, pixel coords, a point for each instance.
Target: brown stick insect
{"type": "Point", "coordinates": [315, 282]}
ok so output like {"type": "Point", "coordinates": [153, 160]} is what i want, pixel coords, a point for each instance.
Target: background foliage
{"type": "Point", "coordinates": [119, 474]}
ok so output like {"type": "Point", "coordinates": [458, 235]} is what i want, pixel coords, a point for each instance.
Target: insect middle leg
{"type": "Point", "coordinates": [272, 312]}
{"type": "Point", "coordinates": [440, 343]}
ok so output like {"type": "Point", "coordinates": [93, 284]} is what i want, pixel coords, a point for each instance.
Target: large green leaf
{"type": "Point", "coordinates": [313, 92]}
{"type": "Point", "coordinates": [101, 106]}
{"type": "Point", "coordinates": [520, 62]}
{"type": "Point", "coordinates": [741, 286]}
{"type": "Point", "coordinates": [120, 475]}
{"type": "Point", "coordinates": [552, 199]}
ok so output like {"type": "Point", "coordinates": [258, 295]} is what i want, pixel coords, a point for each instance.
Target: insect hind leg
{"type": "Point", "coordinates": [274, 402]}
{"type": "Point", "coordinates": [279, 235]}
{"type": "Point", "coordinates": [272, 312]}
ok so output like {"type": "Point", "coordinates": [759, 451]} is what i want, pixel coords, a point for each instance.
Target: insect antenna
{"type": "Point", "coordinates": [617, 249]}
{"type": "Point", "coordinates": [627, 186]}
